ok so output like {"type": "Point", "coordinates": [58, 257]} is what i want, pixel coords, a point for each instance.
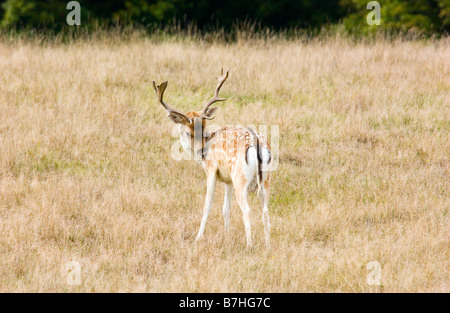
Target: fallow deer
{"type": "Point", "coordinates": [237, 156]}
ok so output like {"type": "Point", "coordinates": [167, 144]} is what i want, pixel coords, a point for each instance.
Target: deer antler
{"type": "Point", "coordinates": [223, 77]}
{"type": "Point", "coordinates": [160, 93]}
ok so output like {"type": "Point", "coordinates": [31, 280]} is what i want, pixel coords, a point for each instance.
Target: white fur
{"type": "Point", "coordinates": [265, 162]}
{"type": "Point", "coordinates": [185, 139]}
{"type": "Point", "coordinates": [251, 167]}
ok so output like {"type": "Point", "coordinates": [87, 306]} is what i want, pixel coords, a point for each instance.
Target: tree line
{"type": "Point", "coordinates": [424, 16]}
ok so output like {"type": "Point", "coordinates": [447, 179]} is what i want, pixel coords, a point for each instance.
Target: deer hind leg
{"type": "Point", "coordinates": [211, 186]}
{"type": "Point", "coordinates": [227, 204]}
{"type": "Point", "coordinates": [241, 196]}
{"type": "Point", "coordinates": [246, 181]}
{"type": "Point", "coordinates": [264, 192]}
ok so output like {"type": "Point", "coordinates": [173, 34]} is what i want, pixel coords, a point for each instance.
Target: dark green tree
{"type": "Point", "coordinates": [426, 16]}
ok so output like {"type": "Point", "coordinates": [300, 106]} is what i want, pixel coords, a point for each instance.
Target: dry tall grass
{"type": "Point", "coordinates": [86, 173]}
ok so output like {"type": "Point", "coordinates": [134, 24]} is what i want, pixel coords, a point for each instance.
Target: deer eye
{"type": "Point", "coordinates": [187, 134]}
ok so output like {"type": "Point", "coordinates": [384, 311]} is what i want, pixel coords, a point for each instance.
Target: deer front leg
{"type": "Point", "coordinates": [210, 187]}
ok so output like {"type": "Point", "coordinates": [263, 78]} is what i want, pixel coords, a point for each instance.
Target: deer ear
{"type": "Point", "coordinates": [210, 112]}
{"type": "Point", "coordinates": [179, 118]}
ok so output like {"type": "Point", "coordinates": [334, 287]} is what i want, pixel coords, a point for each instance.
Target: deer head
{"type": "Point", "coordinates": [192, 124]}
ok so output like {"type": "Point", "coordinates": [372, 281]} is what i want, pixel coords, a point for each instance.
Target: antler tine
{"type": "Point", "coordinates": [160, 93]}
{"type": "Point", "coordinates": [223, 77]}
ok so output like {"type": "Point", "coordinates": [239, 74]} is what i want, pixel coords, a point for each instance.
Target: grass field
{"type": "Point", "coordinates": [86, 173]}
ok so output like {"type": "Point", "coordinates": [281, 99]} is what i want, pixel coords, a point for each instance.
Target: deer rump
{"type": "Point", "coordinates": [257, 159]}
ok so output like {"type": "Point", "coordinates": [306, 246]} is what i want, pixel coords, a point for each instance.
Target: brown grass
{"type": "Point", "coordinates": [86, 173]}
